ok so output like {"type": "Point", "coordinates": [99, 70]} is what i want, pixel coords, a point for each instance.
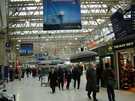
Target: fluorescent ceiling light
{"type": "Point", "coordinates": [19, 40]}
{"type": "Point", "coordinates": [76, 38]}
{"type": "Point", "coordinates": [37, 0]}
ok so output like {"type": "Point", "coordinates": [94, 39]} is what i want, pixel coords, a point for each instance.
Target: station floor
{"type": "Point", "coordinates": [29, 89]}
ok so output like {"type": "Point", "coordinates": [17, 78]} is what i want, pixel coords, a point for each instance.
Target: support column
{"type": "Point", "coordinates": [4, 48]}
{"type": "Point", "coordinates": [1, 50]}
{"type": "Point", "coordinates": [117, 71]}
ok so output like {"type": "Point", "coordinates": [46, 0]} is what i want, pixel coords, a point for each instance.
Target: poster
{"type": "Point", "coordinates": [61, 14]}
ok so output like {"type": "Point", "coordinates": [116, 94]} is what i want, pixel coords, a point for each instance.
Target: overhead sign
{"type": "Point", "coordinates": [119, 46]}
{"type": "Point", "coordinates": [118, 24]}
{"type": "Point", "coordinates": [133, 16]}
{"type": "Point", "coordinates": [41, 56]}
{"type": "Point", "coordinates": [61, 14]}
{"type": "Point", "coordinates": [123, 22]}
{"type": "Point", "coordinates": [26, 49]}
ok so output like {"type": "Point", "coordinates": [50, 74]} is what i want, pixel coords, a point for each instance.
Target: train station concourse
{"type": "Point", "coordinates": [61, 50]}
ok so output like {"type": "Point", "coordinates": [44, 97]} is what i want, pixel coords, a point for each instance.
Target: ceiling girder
{"type": "Point", "coordinates": [97, 15]}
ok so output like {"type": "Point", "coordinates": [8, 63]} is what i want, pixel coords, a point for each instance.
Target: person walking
{"type": "Point", "coordinates": [11, 73]}
{"type": "Point", "coordinates": [110, 82]}
{"type": "Point", "coordinates": [76, 73]}
{"type": "Point", "coordinates": [60, 74]}
{"type": "Point", "coordinates": [27, 72]}
{"type": "Point", "coordinates": [91, 81]}
{"type": "Point", "coordinates": [39, 73]}
{"type": "Point", "coordinates": [52, 78]}
{"type": "Point", "coordinates": [19, 73]}
{"type": "Point", "coordinates": [68, 76]}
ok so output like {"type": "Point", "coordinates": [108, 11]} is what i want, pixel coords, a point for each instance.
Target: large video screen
{"type": "Point", "coordinates": [26, 49]}
{"type": "Point", "coordinates": [61, 14]}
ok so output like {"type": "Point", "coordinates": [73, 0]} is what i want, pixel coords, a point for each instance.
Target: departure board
{"type": "Point", "coordinates": [133, 17]}
{"type": "Point", "coordinates": [123, 23]}
{"type": "Point", "coordinates": [118, 25]}
{"type": "Point", "coordinates": [26, 49]}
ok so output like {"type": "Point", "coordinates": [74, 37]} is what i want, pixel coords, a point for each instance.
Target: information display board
{"type": "Point", "coordinates": [61, 14]}
{"type": "Point", "coordinates": [118, 24]}
{"type": "Point", "coordinates": [26, 49]}
{"type": "Point", "coordinates": [41, 56]}
{"type": "Point", "coordinates": [133, 16]}
{"type": "Point", "coordinates": [123, 23]}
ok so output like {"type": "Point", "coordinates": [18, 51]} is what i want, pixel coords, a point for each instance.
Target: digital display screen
{"type": "Point", "coordinates": [41, 56]}
{"type": "Point", "coordinates": [118, 25]}
{"type": "Point", "coordinates": [61, 14]}
{"type": "Point", "coordinates": [26, 49]}
{"type": "Point", "coordinates": [133, 16]}
{"type": "Point", "coordinates": [123, 23]}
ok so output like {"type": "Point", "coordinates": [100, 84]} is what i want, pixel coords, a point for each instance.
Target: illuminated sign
{"type": "Point", "coordinates": [124, 45]}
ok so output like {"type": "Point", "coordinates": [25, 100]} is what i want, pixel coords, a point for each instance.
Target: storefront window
{"type": "Point", "coordinates": [127, 70]}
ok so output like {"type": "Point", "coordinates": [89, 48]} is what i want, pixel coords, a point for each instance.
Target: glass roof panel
{"type": "Point", "coordinates": [94, 14]}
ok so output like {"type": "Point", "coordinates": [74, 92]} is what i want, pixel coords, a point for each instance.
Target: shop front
{"type": "Point", "coordinates": [125, 61]}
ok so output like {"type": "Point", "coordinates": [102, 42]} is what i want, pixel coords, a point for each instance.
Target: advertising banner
{"type": "Point", "coordinates": [61, 14]}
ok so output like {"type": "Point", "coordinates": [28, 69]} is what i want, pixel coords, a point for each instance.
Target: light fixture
{"type": "Point", "coordinates": [76, 38]}
{"type": "Point", "coordinates": [37, 0]}
{"type": "Point", "coordinates": [70, 43]}
{"type": "Point", "coordinates": [19, 40]}
{"type": "Point", "coordinates": [17, 45]}
{"type": "Point", "coordinates": [17, 48]}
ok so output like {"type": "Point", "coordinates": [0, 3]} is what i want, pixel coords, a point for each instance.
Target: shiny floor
{"type": "Point", "coordinates": [29, 89]}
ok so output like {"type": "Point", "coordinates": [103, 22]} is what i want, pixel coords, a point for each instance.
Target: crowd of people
{"type": "Point", "coordinates": [58, 76]}
{"type": "Point", "coordinates": [10, 73]}
{"type": "Point", "coordinates": [61, 77]}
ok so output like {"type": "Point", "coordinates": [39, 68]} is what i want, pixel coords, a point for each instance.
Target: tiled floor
{"type": "Point", "coordinates": [29, 89]}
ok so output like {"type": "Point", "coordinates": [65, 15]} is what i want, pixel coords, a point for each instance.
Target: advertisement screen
{"type": "Point", "coordinates": [26, 49]}
{"type": "Point", "coordinates": [61, 14]}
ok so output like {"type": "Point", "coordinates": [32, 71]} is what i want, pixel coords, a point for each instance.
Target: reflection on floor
{"type": "Point", "coordinates": [29, 89]}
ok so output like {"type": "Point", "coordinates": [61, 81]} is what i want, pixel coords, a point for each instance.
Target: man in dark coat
{"type": "Point", "coordinates": [110, 82]}
{"type": "Point", "coordinates": [27, 71]}
{"type": "Point", "coordinates": [76, 72]}
{"type": "Point", "coordinates": [91, 81]}
{"type": "Point", "coordinates": [6, 73]}
{"type": "Point", "coordinates": [68, 76]}
{"type": "Point", "coordinates": [60, 74]}
{"type": "Point", "coordinates": [53, 79]}
{"type": "Point", "coordinates": [11, 73]}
